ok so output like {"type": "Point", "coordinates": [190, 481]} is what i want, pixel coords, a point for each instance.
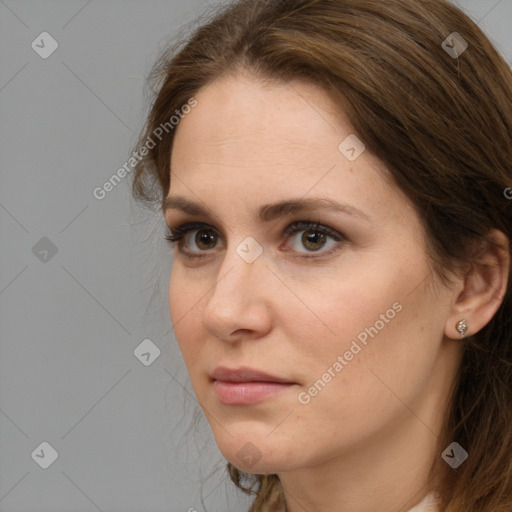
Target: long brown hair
{"type": "Point", "coordinates": [442, 125]}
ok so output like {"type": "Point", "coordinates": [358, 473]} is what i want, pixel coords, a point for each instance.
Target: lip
{"type": "Point", "coordinates": [246, 386]}
{"type": "Point", "coordinates": [245, 374]}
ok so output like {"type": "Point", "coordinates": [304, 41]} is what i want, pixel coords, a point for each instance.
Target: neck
{"type": "Point", "coordinates": [387, 476]}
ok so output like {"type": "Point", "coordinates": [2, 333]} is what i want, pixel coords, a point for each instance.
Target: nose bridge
{"type": "Point", "coordinates": [238, 276]}
{"type": "Point", "coordinates": [236, 301]}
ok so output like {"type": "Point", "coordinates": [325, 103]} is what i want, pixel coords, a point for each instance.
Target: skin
{"type": "Point", "coordinates": [367, 440]}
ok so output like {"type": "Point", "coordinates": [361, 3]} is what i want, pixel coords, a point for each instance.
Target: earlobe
{"type": "Point", "coordinates": [484, 287]}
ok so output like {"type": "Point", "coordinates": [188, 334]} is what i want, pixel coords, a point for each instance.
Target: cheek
{"type": "Point", "coordinates": [175, 290]}
{"type": "Point", "coordinates": [184, 308]}
{"type": "Point", "coordinates": [330, 316]}
{"type": "Point", "coordinates": [367, 341]}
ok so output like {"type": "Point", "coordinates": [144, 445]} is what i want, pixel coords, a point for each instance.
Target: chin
{"type": "Point", "coordinates": [253, 451]}
{"type": "Point", "coordinates": [251, 460]}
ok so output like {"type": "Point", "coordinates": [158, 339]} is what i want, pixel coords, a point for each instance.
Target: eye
{"type": "Point", "coordinates": [308, 239]}
{"type": "Point", "coordinates": [313, 237]}
{"type": "Point", "coordinates": [194, 238]}
{"type": "Point", "coordinates": [202, 238]}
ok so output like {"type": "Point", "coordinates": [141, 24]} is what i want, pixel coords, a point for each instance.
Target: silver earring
{"type": "Point", "coordinates": [462, 328]}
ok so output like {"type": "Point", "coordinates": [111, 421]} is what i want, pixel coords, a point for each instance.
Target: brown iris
{"type": "Point", "coordinates": [313, 240]}
{"type": "Point", "coordinates": [205, 239]}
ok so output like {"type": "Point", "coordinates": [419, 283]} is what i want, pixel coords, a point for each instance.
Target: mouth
{"type": "Point", "coordinates": [246, 386]}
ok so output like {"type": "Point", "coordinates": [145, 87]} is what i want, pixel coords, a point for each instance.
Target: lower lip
{"type": "Point", "coordinates": [246, 393]}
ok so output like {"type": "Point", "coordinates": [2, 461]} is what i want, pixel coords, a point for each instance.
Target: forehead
{"type": "Point", "coordinates": [290, 117]}
{"type": "Point", "coordinates": [260, 141]}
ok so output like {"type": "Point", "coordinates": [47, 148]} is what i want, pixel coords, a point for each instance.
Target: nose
{"type": "Point", "coordinates": [238, 306]}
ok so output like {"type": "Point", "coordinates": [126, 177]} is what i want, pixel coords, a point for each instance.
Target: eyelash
{"type": "Point", "coordinates": [177, 234]}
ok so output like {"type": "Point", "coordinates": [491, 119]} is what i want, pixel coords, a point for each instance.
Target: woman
{"type": "Point", "coordinates": [336, 177]}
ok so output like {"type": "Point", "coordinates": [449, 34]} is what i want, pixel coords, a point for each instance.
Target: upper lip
{"type": "Point", "coordinates": [245, 374]}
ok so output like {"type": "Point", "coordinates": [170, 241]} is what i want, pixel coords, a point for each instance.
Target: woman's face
{"type": "Point", "coordinates": [304, 263]}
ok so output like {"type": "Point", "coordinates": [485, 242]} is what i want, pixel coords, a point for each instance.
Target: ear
{"type": "Point", "coordinates": [482, 288]}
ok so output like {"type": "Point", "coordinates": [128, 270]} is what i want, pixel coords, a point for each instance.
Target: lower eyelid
{"type": "Point", "coordinates": [315, 255]}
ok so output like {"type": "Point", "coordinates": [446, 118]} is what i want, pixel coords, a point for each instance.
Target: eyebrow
{"type": "Point", "coordinates": [269, 212]}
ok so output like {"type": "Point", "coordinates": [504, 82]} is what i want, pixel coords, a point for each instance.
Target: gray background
{"type": "Point", "coordinates": [71, 321]}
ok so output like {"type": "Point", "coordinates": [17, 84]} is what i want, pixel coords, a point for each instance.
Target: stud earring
{"type": "Point", "coordinates": [462, 328]}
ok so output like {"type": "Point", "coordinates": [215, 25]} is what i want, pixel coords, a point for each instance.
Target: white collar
{"type": "Point", "coordinates": [428, 504]}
